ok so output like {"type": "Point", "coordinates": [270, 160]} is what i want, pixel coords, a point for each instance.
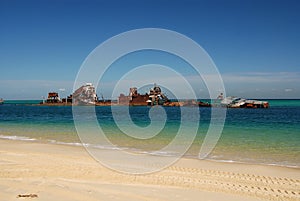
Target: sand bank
{"type": "Point", "coordinates": [61, 172]}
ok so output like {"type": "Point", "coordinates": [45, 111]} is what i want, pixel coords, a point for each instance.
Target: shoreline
{"type": "Point", "coordinates": [79, 144]}
{"type": "Point", "coordinates": [55, 171]}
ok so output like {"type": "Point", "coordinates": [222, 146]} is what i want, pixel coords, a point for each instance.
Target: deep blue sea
{"type": "Point", "coordinates": [256, 136]}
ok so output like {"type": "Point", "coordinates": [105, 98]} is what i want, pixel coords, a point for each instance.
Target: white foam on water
{"type": "Point", "coordinates": [14, 137]}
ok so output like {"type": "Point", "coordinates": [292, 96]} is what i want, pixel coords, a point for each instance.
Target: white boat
{"type": "Point", "coordinates": [237, 102]}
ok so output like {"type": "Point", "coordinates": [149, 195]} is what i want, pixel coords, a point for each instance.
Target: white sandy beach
{"type": "Point", "coordinates": [61, 172]}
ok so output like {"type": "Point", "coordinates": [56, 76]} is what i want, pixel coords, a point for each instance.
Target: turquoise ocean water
{"type": "Point", "coordinates": [257, 136]}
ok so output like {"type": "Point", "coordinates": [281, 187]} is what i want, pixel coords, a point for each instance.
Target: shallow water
{"type": "Point", "coordinates": [260, 136]}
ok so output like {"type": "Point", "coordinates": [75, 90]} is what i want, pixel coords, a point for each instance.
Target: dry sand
{"type": "Point", "coordinates": [64, 173]}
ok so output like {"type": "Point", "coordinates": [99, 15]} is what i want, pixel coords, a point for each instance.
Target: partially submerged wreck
{"type": "Point", "coordinates": [53, 97]}
{"type": "Point", "coordinates": [85, 95]}
{"type": "Point", "coordinates": [155, 97]}
{"type": "Point", "coordinates": [237, 102]}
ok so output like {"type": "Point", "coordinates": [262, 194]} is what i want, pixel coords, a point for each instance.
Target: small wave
{"type": "Point", "coordinates": [87, 145]}
{"type": "Point", "coordinates": [254, 163]}
{"type": "Point", "coordinates": [14, 137]}
{"type": "Point", "coordinates": [163, 153]}
{"type": "Point", "coordinates": [108, 147]}
{"type": "Point", "coordinates": [68, 143]}
{"type": "Point", "coordinates": [282, 165]}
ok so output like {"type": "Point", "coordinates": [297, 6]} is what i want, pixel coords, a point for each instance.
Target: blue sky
{"type": "Point", "coordinates": [254, 44]}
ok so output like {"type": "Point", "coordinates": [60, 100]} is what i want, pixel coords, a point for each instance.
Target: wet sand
{"type": "Point", "coordinates": [37, 171]}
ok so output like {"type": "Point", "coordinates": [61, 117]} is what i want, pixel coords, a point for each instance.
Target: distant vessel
{"type": "Point", "coordinates": [1, 101]}
{"type": "Point", "coordinates": [237, 102]}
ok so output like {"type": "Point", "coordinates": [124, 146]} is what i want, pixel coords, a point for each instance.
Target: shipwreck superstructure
{"type": "Point", "coordinates": [134, 98]}
{"type": "Point", "coordinates": [53, 97]}
{"type": "Point", "coordinates": [85, 95]}
{"type": "Point", "coordinates": [154, 97]}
